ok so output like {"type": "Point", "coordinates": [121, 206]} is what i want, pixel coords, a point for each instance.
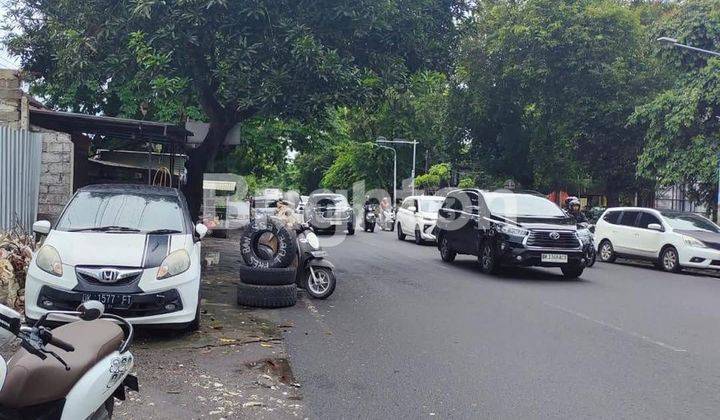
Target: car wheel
{"type": "Point", "coordinates": [267, 276]}
{"type": "Point", "coordinates": [669, 260]}
{"type": "Point", "coordinates": [418, 236]}
{"type": "Point", "coordinates": [488, 259]}
{"type": "Point", "coordinates": [401, 235]}
{"type": "Point", "coordinates": [446, 253]}
{"type": "Point", "coordinates": [607, 252]}
{"type": "Point", "coordinates": [350, 229]}
{"type": "Point", "coordinates": [266, 296]}
{"type": "Point", "coordinates": [572, 271]}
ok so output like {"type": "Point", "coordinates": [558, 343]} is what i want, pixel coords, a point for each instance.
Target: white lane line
{"type": "Point", "coordinates": [616, 328]}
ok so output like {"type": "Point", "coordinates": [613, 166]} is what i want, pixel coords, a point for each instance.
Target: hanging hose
{"type": "Point", "coordinates": [162, 178]}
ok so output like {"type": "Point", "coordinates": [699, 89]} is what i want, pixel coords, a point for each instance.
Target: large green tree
{"type": "Point", "coordinates": [682, 123]}
{"type": "Point", "coordinates": [544, 88]}
{"type": "Point", "coordinates": [227, 60]}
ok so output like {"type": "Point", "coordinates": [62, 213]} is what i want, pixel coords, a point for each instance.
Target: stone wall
{"type": "Point", "coordinates": [10, 98]}
{"type": "Point", "coordinates": [56, 174]}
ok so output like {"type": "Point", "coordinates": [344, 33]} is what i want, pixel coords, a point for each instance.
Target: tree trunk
{"type": "Point", "coordinates": [198, 161]}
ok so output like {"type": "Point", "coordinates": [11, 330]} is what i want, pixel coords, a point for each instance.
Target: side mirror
{"type": "Point", "coordinates": [91, 310]}
{"type": "Point", "coordinates": [41, 227]}
{"type": "Point", "coordinates": [655, 226]}
{"type": "Point", "coordinates": [412, 209]}
{"type": "Point", "coordinates": [201, 230]}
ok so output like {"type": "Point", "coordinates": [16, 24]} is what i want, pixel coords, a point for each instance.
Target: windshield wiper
{"type": "Point", "coordinates": [105, 229]}
{"type": "Point", "coordinates": [161, 231]}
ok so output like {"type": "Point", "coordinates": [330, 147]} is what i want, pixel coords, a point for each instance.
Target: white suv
{"type": "Point", "coordinates": [417, 216]}
{"type": "Point", "coordinates": [670, 239]}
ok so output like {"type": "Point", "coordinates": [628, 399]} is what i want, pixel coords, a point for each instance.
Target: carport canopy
{"type": "Point", "coordinates": [119, 128]}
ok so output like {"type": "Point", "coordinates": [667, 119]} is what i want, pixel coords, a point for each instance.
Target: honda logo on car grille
{"type": "Point", "coordinates": [108, 275]}
{"type": "Point", "coordinates": [555, 235]}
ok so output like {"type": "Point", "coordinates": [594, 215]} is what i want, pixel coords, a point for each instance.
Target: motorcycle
{"type": "Point", "coordinates": [74, 371]}
{"type": "Point", "coordinates": [370, 217]}
{"type": "Point", "coordinates": [586, 232]}
{"type": "Point", "coordinates": [315, 272]}
{"type": "Point", "coordinates": [387, 219]}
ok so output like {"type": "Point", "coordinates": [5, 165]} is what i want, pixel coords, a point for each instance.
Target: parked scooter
{"type": "Point", "coordinates": [88, 365]}
{"type": "Point", "coordinates": [314, 272]}
{"type": "Point", "coordinates": [586, 232]}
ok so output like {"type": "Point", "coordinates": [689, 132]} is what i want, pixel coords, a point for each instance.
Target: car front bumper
{"type": "Point", "coordinates": [427, 231]}
{"type": "Point", "coordinates": [170, 301]}
{"type": "Point", "coordinates": [524, 257]}
{"type": "Point", "coordinates": [699, 257]}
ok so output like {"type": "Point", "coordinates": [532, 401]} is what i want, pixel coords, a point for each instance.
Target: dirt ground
{"type": "Point", "coordinates": [234, 367]}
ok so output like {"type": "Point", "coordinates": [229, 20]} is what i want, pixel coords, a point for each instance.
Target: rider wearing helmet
{"type": "Point", "coordinates": [572, 206]}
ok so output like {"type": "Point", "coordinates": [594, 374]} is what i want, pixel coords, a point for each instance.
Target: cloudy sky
{"type": "Point", "coordinates": [5, 60]}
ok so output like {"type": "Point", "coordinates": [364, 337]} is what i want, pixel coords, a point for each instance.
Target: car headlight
{"type": "Point", "coordinates": [690, 241]}
{"type": "Point", "coordinates": [176, 263]}
{"type": "Point", "coordinates": [513, 230]}
{"type": "Point", "coordinates": [48, 260]}
{"type": "Point", "coordinates": [312, 240]}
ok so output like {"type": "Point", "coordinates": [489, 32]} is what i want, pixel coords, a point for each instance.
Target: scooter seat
{"type": "Point", "coordinates": [31, 381]}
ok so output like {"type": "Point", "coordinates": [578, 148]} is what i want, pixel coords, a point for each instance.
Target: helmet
{"type": "Point", "coordinates": [572, 202]}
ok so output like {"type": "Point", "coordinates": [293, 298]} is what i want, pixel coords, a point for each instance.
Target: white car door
{"type": "Point", "coordinates": [627, 233]}
{"type": "Point", "coordinates": [405, 216]}
{"type": "Point", "coordinates": [649, 241]}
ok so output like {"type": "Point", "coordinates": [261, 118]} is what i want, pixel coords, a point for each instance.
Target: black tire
{"type": "Point", "coordinates": [606, 251]}
{"type": "Point", "coordinates": [418, 237]}
{"type": "Point", "coordinates": [572, 271]}
{"type": "Point", "coordinates": [350, 229]}
{"type": "Point", "coordinates": [591, 258]}
{"type": "Point", "coordinates": [266, 296]}
{"type": "Point", "coordinates": [400, 234]}
{"type": "Point", "coordinates": [325, 292]}
{"type": "Point", "coordinates": [249, 246]}
{"type": "Point", "coordinates": [260, 276]}
{"type": "Point", "coordinates": [487, 258]}
{"type": "Point", "coordinates": [446, 252]}
{"type": "Point", "coordinates": [371, 229]}
{"type": "Point", "coordinates": [670, 260]}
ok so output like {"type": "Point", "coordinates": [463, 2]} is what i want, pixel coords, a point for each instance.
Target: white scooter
{"type": "Point", "coordinates": [88, 367]}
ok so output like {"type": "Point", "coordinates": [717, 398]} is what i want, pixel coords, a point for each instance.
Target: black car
{"type": "Point", "coordinates": [505, 228]}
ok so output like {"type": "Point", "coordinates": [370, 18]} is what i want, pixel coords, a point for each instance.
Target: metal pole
{"type": "Point", "coordinates": [413, 168]}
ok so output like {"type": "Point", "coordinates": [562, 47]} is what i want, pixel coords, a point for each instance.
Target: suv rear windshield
{"type": "Point", "coordinates": [689, 221]}
{"type": "Point", "coordinates": [144, 212]}
{"type": "Point", "coordinates": [521, 205]}
{"type": "Point", "coordinates": [337, 200]}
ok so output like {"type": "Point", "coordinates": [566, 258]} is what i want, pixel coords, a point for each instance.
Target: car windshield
{"type": "Point", "coordinates": [430, 205]}
{"type": "Point", "coordinates": [122, 212]}
{"type": "Point", "coordinates": [338, 200]}
{"type": "Point", "coordinates": [513, 205]}
{"type": "Point", "coordinates": [689, 221]}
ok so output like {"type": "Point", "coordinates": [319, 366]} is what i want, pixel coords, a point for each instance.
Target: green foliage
{"type": "Point", "coordinates": [356, 162]}
{"type": "Point", "coordinates": [436, 176]}
{"type": "Point", "coordinates": [681, 123]}
{"type": "Point", "coordinates": [466, 183]}
{"type": "Point", "coordinates": [545, 87]}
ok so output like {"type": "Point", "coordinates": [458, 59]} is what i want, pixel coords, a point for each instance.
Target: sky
{"type": "Point", "coordinates": [6, 61]}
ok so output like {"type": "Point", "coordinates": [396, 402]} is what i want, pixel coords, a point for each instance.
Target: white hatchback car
{"type": "Point", "coordinates": [670, 239]}
{"type": "Point", "coordinates": [417, 216]}
{"type": "Point", "coordinates": [132, 247]}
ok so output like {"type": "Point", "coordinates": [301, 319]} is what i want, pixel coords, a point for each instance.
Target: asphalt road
{"type": "Point", "coordinates": [408, 336]}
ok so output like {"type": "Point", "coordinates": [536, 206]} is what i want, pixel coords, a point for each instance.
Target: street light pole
{"type": "Point", "coordinates": [403, 141]}
{"type": "Point", "coordinates": [674, 43]}
{"type": "Point", "coordinates": [394, 196]}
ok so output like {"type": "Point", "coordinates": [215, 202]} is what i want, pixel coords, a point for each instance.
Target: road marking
{"type": "Point", "coordinates": [616, 328]}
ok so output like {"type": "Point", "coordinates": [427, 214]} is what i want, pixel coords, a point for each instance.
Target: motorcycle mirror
{"type": "Point", "coordinates": [91, 310]}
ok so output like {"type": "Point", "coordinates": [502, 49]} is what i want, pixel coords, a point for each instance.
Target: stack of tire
{"type": "Point", "coordinates": [268, 266]}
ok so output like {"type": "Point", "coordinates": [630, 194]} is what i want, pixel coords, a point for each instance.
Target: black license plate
{"type": "Point", "coordinates": [110, 300]}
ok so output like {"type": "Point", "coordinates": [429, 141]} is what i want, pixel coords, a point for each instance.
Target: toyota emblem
{"type": "Point", "coordinates": [108, 276]}
{"type": "Point", "coordinates": [555, 235]}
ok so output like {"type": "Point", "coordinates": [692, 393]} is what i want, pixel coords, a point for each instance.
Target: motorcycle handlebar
{"type": "Point", "coordinates": [62, 345]}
